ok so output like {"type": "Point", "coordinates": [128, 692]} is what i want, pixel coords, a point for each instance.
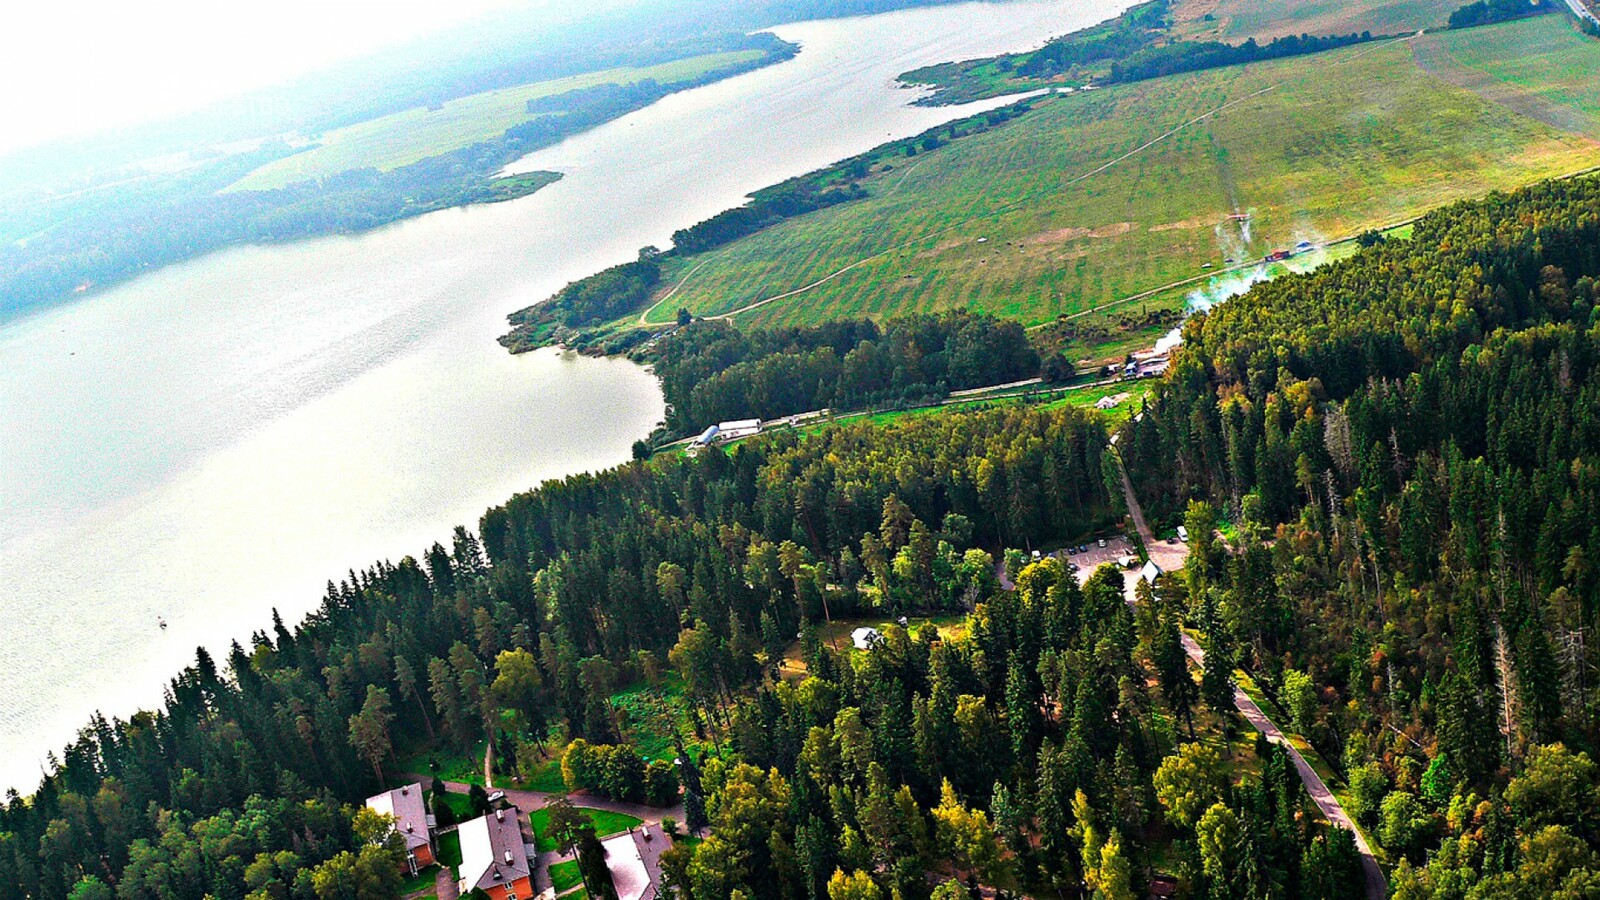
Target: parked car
{"type": "Point", "coordinates": [1102, 542]}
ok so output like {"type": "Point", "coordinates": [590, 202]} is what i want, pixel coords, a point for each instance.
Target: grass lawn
{"type": "Point", "coordinates": [461, 805]}
{"type": "Point", "coordinates": [547, 778]}
{"type": "Point", "coordinates": [951, 626]}
{"type": "Point", "coordinates": [606, 823]}
{"type": "Point", "coordinates": [401, 138]}
{"type": "Point", "coordinates": [450, 849]}
{"type": "Point", "coordinates": [565, 876]}
{"type": "Point", "coordinates": [424, 881]}
{"type": "Point", "coordinates": [454, 765]}
{"type": "Point", "coordinates": [1315, 148]}
{"type": "Point", "coordinates": [652, 714]}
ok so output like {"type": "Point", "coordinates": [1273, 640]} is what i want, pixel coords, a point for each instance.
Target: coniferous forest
{"type": "Point", "coordinates": [1389, 470]}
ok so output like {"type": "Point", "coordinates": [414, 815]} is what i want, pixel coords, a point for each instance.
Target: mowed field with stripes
{"type": "Point", "coordinates": [1096, 196]}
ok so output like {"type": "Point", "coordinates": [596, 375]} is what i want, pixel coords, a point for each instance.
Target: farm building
{"type": "Point", "coordinates": [409, 808]}
{"type": "Point", "coordinates": [494, 857]}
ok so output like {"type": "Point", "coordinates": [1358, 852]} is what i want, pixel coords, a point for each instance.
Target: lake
{"type": "Point", "coordinates": [222, 437]}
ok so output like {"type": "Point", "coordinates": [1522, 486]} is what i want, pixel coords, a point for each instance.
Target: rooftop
{"type": "Point", "coordinates": [410, 811]}
{"type": "Point", "coordinates": [492, 850]}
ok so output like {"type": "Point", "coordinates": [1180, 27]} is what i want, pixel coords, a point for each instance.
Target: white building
{"type": "Point", "coordinates": [866, 637]}
{"type": "Point", "coordinates": [1150, 572]}
{"type": "Point", "coordinates": [738, 428]}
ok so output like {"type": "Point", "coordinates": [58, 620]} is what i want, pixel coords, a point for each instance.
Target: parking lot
{"type": "Point", "coordinates": [1118, 550]}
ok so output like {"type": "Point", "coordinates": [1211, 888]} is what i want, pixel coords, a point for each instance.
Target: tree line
{"type": "Point", "coordinates": [1488, 12]}
{"type": "Point", "coordinates": [1194, 56]}
{"type": "Point", "coordinates": [712, 372]}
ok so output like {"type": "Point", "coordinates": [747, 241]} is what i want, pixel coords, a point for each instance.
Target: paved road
{"type": "Point", "coordinates": [1581, 11]}
{"type": "Point", "coordinates": [1377, 887]}
{"type": "Point", "coordinates": [444, 885]}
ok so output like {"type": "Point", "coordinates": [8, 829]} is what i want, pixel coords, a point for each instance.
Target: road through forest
{"type": "Point", "coordinates": [1377, 887]}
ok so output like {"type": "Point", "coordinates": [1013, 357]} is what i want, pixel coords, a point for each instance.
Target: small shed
{"type": "Point", "coordinates": [1150, 572]}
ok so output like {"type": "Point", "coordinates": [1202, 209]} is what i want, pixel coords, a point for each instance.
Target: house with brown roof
{"type": "Point", "coordinates": [409, 808]}
{"type": "Point", "coordinates": [494, 856]}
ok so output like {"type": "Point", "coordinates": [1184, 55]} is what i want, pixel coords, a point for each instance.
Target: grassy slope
{"type": "Point", "coordinates": [1236, 20]}
{"type": "Point", "coordinates": [405, 137]}
{"type": "Point", "coordinates": [1346, 140]}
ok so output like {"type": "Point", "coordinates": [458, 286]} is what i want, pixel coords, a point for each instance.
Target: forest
{"type": "Point", "coordinates": [711, 371]}
{"type": "Point", "coordinates": [235, 787]}
{"type": "Point", "coordinates": [1404, 446]}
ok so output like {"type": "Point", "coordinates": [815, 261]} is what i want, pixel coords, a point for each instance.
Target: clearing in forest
{"type": "Point", "coordinates": [1010, 221]}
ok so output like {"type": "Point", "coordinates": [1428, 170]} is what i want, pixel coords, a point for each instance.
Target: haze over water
{"type": "Point", "coordinates": [224, 436]}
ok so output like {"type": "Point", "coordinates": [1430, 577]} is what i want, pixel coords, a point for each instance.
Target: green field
{"type": "Point", "coordinates": [1026, 221]}
{"type": "Point", "coordinates": [1543, 68]}
{"type": "Point", "coordinates": [405, 137]}
{"type": "Point", "coordinates": [1236, 20]}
